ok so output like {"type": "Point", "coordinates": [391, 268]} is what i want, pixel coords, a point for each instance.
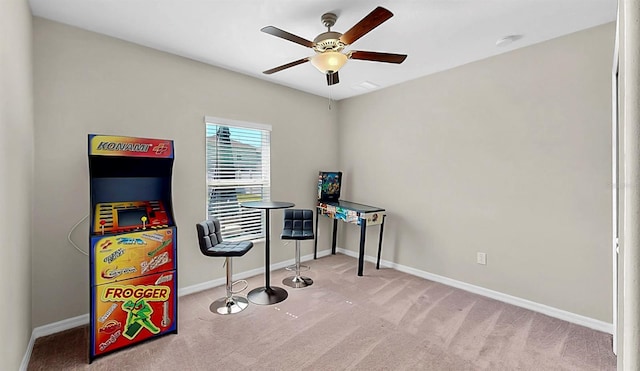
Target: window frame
{"type": "Point", "coordinates": [262, 184]}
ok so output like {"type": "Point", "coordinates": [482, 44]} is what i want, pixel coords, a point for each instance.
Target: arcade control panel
{"type": "Point", "coordinates": [118, 217]}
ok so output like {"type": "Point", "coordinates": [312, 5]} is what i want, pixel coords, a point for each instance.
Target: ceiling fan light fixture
{"type": "Point", "coordinates": [329, 61]}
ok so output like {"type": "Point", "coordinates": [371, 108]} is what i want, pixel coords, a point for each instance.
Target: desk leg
{"type": "Point", "coordinates": [315, 237]}
{"type": "Point", "coordinates": [380, 242]}
{"type": "Point", "coordinates": [363, 233]}
{"type": "Point", "coordinates": [333, 238]}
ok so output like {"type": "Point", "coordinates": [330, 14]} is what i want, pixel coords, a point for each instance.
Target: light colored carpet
{"type": "Point", "coordinates": [385, 320]}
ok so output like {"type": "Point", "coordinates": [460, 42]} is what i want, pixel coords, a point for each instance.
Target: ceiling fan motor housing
{"type": "Point", "coordinates": [328, 41]}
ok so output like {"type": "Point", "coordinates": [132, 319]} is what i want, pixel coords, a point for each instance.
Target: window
{"type": "Point", "coordinates": [238, 170]}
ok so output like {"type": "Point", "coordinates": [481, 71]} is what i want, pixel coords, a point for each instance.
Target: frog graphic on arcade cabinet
{"type": "Point", "coordinates": [139, 316]}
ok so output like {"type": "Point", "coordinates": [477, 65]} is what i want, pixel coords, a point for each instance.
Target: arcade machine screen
{"type": "Point", "coordinates": [329, 183]}
{"type": "Point", "coordinates": [131, 217]}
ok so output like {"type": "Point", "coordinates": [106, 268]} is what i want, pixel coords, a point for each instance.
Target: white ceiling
{"type": "Point", "coordinates": [436, 34]}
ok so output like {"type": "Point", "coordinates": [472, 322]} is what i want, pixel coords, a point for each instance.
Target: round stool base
{"type": "Point", "coordinates": [223, 306]}
{"type": "Point", "coordinates": [297, 282]}
{"type": "Point", "coordinates": [267, 295]}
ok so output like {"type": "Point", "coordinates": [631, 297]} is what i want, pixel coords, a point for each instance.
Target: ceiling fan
{"type": "Point", "coordinates": [329, 46]}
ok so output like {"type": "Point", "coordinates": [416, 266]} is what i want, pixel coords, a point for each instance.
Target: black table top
{"type": "Point", "coordinates": [267, 204]}
{"type": "Point", "coordinates": [353, 206]}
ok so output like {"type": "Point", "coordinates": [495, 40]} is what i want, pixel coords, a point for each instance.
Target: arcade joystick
{"type": "Point", "coordinates": [102, 223]}
{"type": "Point", "coordinates": [144, 222]}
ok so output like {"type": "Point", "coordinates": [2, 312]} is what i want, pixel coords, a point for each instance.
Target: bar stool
{"type": "Point", "coordinates": [211, 244]}
{"type": "Point", "coordinates": [298, 225]}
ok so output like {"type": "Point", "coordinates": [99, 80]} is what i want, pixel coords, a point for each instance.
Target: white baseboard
{"type": "Point", "coordinates": [244, 275]}
{"type": "Point", "coordinates": [49, 329]}
{"type": "Point", "coordinates": [513, 300]}
{"type": "Point", "coordinates": [577, 319]}
{"type": "Point", "coordinates": [83, 319]}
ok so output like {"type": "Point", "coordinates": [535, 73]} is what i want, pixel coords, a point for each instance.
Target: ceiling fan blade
{"type": "Point", "coordinates": [368, 23]}
{"type": "Point", "coordinates": [377, 56]}
{"type": "Point", "coordinates": [285, 66]}
{"type": "Point", "coordinates": [332, 78]}
{"type": "Point", "coordinates": [287, 36]}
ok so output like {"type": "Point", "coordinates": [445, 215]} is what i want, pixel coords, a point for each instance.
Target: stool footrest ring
{"type": "Point", "coordinates": [292, 268]}
{"type": "Point", "coordinates": [246, 284]}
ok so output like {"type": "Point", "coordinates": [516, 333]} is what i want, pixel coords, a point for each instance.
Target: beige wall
{"type": "Point", "coordinates": [89, 83]}
{"type": "Point", "coordinates": [510, 156]}
{"type": "Point", "coordinates": [16, 177]}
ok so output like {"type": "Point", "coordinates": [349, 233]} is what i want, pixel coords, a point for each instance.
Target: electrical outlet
{"type": "Point", "coordinates": [481, 258]}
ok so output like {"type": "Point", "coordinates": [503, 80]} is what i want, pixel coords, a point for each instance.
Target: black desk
{"type": "Point", "coordinates": [351, 212]}
{"type": "Point", "coordinates": [268, 294]}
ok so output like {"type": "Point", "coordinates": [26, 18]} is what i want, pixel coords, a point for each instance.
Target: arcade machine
{"type": "Point", "coordinates": [330, 205]}
{"type": "Point", "coordinates": [132, 255]}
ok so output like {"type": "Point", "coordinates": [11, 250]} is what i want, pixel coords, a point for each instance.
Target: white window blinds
{"type": "Point", "coordinates": [238, 170]}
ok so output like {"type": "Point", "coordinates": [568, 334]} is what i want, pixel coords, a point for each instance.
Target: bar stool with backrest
{"type": "Point", "coordinates": [298, 225]}
{"type": "Point", "coordinates": [211, 244]}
